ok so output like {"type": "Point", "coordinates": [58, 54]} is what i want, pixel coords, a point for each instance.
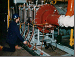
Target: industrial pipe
{"type": "Point", "coordinates": [27, 33]}
{"type": "Point", "coordinates": [68, 19]}
{"type": "Point", "coordinates": [31, 37]}
{"type": "Point", "coordinates": [8, 12]}
{"type": "Point", "coordinates": [25, 17]}
{"type": "Point", "coordinates": [70, 8]}
{"type": "Point", "coordinates": [48, 15]}
{"type": "Point", "coordinates": [23, 30]}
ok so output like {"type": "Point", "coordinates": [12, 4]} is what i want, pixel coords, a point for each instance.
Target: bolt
{"type": "Point", "coordinates": [55, 10]}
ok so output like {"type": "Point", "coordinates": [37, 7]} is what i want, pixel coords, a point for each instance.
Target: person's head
{"type": "Point", "coordinates": [16, 18]}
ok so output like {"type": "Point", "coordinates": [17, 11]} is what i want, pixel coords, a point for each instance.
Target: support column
{"type": "Point", "coordinates": [8, 12]}
{"type": "Point", "coordinates": [38, 42]}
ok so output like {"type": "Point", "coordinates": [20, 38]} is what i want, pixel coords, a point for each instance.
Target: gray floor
{"type": "Point", "coordinates": [21, 52]}
{"type": "Point", "coordinates": [16, 53]}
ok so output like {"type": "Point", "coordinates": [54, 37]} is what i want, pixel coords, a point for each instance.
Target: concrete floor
{"type": "Point", "coordinates": [16, 53]}
{"type": "Point", "coordinates": [56, 52]}
{"type": "Point", "coordinates": [21, 52]}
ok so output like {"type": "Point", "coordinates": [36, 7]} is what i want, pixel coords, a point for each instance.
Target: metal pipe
{"type": "Point", "coordinates": [30, 14]}
{"type": "Point", "coordinates": [8, 12]}
{"type": "Point", "coordinates": [43, 38]}
{"type": "Point", "coordinates": [20, 13]}
{"type": "Point", "coordinates": [34, 13]}
{"type": "Point", "coordinates": [70, 8]}
{"type": "Point", "coordinates": [36, 3]}
{"type": "Point", "coordinates": [31, 35]}
{"type": "Point", "coordinates": [24, 13]}
{"type": "Point", "coordinates": [23, 30]}
{"type": "Point", "coordinates": [38, 36]}
{"type": "Point", "coordinates": [29, 2]}
{"type": "Point", "coordinates": [27, 33]}
{"type": "Point", "coordinates": [42, 2]}
{"type": "Point", "coordinates": [58, 30]}
{"type": "Point", "coordinates": [13, 11]}
{"type": "Point", "coordinates": [16, 8]}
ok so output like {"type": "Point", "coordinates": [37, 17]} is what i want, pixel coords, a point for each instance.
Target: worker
{"type": "Point", "coordinates": [14, 35]}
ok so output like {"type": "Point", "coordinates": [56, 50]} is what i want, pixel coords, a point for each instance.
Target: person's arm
{"type": "Point", "coordinates": [19, 35]}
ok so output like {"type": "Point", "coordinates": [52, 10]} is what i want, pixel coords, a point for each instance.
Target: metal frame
{"type": "Point", "coordinates": [37, 41]}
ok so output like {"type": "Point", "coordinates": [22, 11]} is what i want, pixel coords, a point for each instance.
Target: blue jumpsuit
{"type": "Point", "coordinates": [13, 36]}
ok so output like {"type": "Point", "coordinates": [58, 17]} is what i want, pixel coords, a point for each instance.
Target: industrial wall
{"type": "Point", "coordinates": [3, 18]}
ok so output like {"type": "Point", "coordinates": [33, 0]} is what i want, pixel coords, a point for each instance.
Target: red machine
{"type": "Point", "coordinates": [47, 16]}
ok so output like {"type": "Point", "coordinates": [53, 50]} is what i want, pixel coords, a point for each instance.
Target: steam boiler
{"type": "Point", "coordinates": [43, 26]}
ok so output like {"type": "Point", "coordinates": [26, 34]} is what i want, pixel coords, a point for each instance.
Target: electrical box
{"type": "Point", "coordinates": [20, 1]}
